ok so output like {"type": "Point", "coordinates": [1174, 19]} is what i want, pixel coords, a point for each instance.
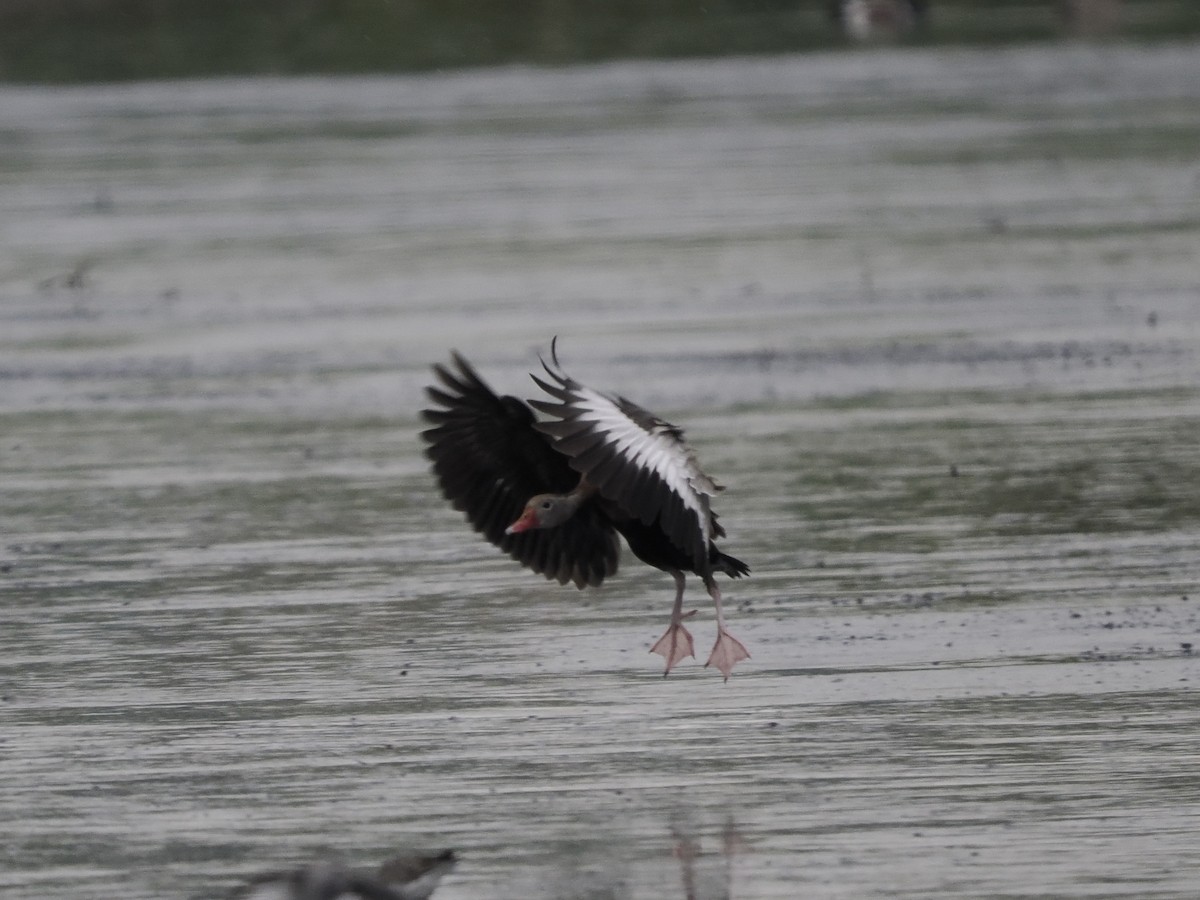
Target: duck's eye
{"type": "Point", "coordinates": [546, 504]}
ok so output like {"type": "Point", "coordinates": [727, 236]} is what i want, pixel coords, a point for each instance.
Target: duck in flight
{"type": "Point", "coordinates": [555, 493]}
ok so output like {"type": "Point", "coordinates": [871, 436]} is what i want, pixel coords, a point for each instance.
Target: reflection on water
{"type": "Point", "coordinates": [931, 316]}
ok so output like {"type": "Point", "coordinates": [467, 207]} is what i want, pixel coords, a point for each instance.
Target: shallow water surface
{"type": "Point", "coordinates": [932, 317]}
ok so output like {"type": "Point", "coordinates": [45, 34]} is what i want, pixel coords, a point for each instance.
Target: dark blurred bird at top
{"type": "Point", "coordinates": [879, 20]}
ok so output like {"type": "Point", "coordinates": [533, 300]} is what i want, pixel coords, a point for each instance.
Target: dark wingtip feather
{"type": "Point", "coordinates": [554, 390]}
{"type": "Point", "coordinates": [559, 375]}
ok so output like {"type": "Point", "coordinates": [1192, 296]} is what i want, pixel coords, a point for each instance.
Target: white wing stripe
{"type": "Point", "coordinates": [657, 450]}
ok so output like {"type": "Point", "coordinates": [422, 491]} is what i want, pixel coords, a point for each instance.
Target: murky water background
{"type": "Point", "coordinates": [933, 317]}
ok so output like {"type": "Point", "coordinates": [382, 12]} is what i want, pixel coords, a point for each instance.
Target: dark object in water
{"type": "Point", "coordinates": [407, 876]}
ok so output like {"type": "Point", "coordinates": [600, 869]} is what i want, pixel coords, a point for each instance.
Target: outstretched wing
{"type": "Point", "coordinates": [489, 461]}
{"type": "Point", "coordinates": [634, 459]}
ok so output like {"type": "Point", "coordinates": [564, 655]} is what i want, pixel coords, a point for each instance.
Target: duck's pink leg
{"type": "Point", "coordinates": [728, 651]}
{"type": "Point", "coordinates": [676, 642]}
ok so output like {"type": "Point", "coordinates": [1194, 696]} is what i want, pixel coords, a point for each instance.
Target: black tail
{"type": "Point", "coordinates": [730, 565]}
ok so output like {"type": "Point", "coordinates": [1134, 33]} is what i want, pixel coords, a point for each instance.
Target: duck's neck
{"type": "Point", "coordinates": [580, 495]}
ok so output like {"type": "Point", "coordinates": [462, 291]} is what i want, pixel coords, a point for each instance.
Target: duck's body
{"type": "Point", "coordinates": [555, 494]}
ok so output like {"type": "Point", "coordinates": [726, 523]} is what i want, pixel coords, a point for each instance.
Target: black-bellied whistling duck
{"type": "Point", "coordinates": [554, 494]}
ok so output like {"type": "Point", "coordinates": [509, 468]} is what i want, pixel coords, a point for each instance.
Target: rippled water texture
{"type": "Point", "coordinates": [933, 317]}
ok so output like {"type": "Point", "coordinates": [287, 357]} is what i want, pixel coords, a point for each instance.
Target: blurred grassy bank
{"type": "Point", "coordinates": [83, 40]}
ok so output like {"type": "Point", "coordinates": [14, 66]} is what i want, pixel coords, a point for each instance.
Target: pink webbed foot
{"type": "Point", "coordinates": [727, 652]}
{"type": "Point", "coordinates": [675, 644]}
